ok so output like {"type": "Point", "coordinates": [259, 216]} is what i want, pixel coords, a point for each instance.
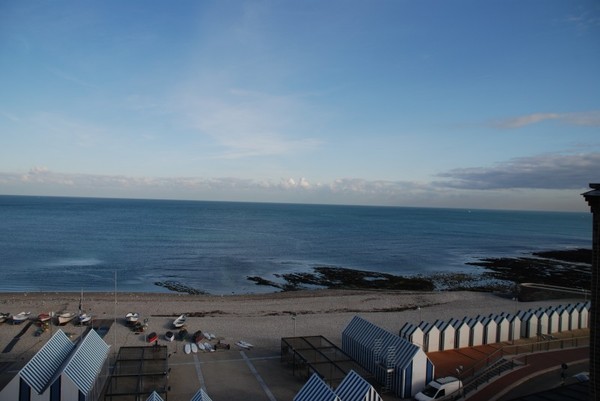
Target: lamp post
{"type": "Point", "coordinates": [294, 319]}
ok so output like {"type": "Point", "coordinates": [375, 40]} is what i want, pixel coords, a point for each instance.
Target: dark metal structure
{"type": "Point", "coordinates": [138, 372]}
{"type": "Point", "coordinates": [316, 354]}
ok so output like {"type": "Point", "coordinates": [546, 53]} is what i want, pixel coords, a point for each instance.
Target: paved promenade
{"type": "Point", "coordinates": [534, 365]}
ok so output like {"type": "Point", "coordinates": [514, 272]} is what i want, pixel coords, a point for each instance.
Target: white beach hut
{"type": "Point", "coordinates": [553, 320]}
{"type": "Point", "coordinates": [543, 322]}
{"type": "Point", "coordinates": [432, 337]}
{"type": "Point", "coordinates": [514, 328]}
{"type": "Point", "coordinates": [584, 310]}
{"type": "Point", "coordinates": [573, 316]}
{"type": "Point", "coordinates": [529, 324]}
{"type": "Point", "coordinates": [563, 318]}
{"type": "Point", "coordinates": [476, 332]}
{"type": "Point", "coordinates": [399, 365]}
{"type": "Point", "coordinates": [415, 335]}
{"type": "Point", "coordinates": [502, 328]}
{"type": "Point", "coordinates": [463, 334]}
{"type": "Point", "coordinates": [447, 335]}
{"type": "Point", "coordinates": [490, 329]}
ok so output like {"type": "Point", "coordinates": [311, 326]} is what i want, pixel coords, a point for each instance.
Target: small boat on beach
{"type": "Point", "coordinates": [44, 317]}
{"type": "Point", "coordinates": [132, 317]}
{"type": "Point", "coordinates": [198, 336]}
{"type": "Point", "coordinates": [152, 337]}
{"type": "Point", "coordinates": [169, 336]}
{"type": "Point", "coordinates": [84, 318]}
{"type": "Point", "coordinates": [194, 348]}
{"type": "Point", "coordinates": [187, 348]}
{"type": "Point", "coordinates": [180, 321]}
{"type": "Point", "coordinates": [244, 344]}
{"type": "Point", "coordinates": [65, 317]}
{"type": "Point", "coordinates": [20, 317]}
{"type": "Point", "coordinates": [209, 347]}
{"type": "Point", "coordinates": [4, 316]}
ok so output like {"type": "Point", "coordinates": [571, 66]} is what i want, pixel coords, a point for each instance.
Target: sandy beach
{"type": "Point", "coordinates": [261, 319]}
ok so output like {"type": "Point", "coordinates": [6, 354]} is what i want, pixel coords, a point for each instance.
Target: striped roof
{"type": "Point", "coordinates": [365, 333]}
{"type": "Point", "coordinates": [355, 388]}
{"type": "Point", "coordinates": [315, 389]}
{"type": "Point", "coordinates": [44, 365]}
{"type": "Point", "coordinates": [201, 396]}
{"type": "Point", "coordinates": [87, 361]}
{"type": "Point", "coordinates": [154, 397]}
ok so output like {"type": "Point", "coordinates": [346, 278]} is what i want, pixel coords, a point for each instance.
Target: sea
{"type": "Point", "coordinates": [89, 244]}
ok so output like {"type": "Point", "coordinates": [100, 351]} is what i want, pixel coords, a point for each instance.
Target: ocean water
{"type": "Point", "coordinates": [73, 244]}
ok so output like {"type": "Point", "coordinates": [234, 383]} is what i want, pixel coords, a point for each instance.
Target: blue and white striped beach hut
{"type": "Point", "coordinates": [355, 388]}
{"type": "Point", "coordinates": [200, 396]}
{"type": "Point", "coordinates": [154, 397]}
{"type": "Point", "coordinates": [62, 370]}
{"type": "Point", "coordinates": [399, 365]}
{"type": "Point", "coordinates": [315, 389]}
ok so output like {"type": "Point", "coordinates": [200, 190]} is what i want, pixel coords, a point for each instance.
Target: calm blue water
{"type": "Point", "coordinates": [58, 244]}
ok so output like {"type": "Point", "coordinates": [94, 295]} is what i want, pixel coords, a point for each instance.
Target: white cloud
{"type": "Point", "coordinates": [590, 118]}
{"type": "Point", "coordinates": [248, 124]}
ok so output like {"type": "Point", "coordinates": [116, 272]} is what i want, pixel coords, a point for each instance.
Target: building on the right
{"type": "Point", "coordinates": [593, 199]}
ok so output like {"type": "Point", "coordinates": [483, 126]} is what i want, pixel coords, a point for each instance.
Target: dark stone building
{"type": "Point", "coordinates": [593, 199]}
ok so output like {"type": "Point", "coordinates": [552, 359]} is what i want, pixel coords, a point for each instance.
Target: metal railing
{"type": "Point", "coordinates": [503, 359]}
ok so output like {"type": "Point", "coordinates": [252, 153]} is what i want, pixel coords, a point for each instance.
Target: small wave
{"type": "Point", "coordinates": [74, 262]}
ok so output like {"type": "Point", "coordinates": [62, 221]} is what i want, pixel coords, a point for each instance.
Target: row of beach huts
{"type": "Point", "coordinates": [495, 328]}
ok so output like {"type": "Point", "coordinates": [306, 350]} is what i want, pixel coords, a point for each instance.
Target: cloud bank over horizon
{"type": "Point", "coordinates": [563, 175]}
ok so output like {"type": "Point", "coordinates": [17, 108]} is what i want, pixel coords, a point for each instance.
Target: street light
{"type": "Point", "coordinates": [294, 319]}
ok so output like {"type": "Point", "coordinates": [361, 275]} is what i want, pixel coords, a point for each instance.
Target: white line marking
{"type": "Point", "coordinates": [260, 380]}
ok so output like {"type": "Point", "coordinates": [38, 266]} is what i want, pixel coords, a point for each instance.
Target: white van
{"type": "Point", "coordinates": [440, 389]}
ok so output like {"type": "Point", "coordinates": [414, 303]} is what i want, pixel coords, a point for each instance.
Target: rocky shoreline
{"type": "Point", "coordinates": [498, 275]}
{"type": "Point", "coordinates": [555, 267]}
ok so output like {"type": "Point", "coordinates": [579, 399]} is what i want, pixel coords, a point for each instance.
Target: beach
{"type": "Point", "coordinates": [260, 319]}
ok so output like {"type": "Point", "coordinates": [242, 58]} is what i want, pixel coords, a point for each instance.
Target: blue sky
{"type": "Point", "coordinates": [475, 104]}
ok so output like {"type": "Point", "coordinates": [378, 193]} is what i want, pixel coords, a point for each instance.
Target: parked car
{"type": "Point", "coordinates": [443, 388]}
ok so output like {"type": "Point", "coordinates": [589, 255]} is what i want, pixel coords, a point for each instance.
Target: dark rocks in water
{"type": "Point", "coordinates": [178, 287]}
{"type": "Point", "coordinates": [342, 278]}
{"type": "Point", "coordinates": [570, 255]}
{"type": "Point", "coordinates": [564, 268]}
{"type": "Point", "coordinates": [572, 268]}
